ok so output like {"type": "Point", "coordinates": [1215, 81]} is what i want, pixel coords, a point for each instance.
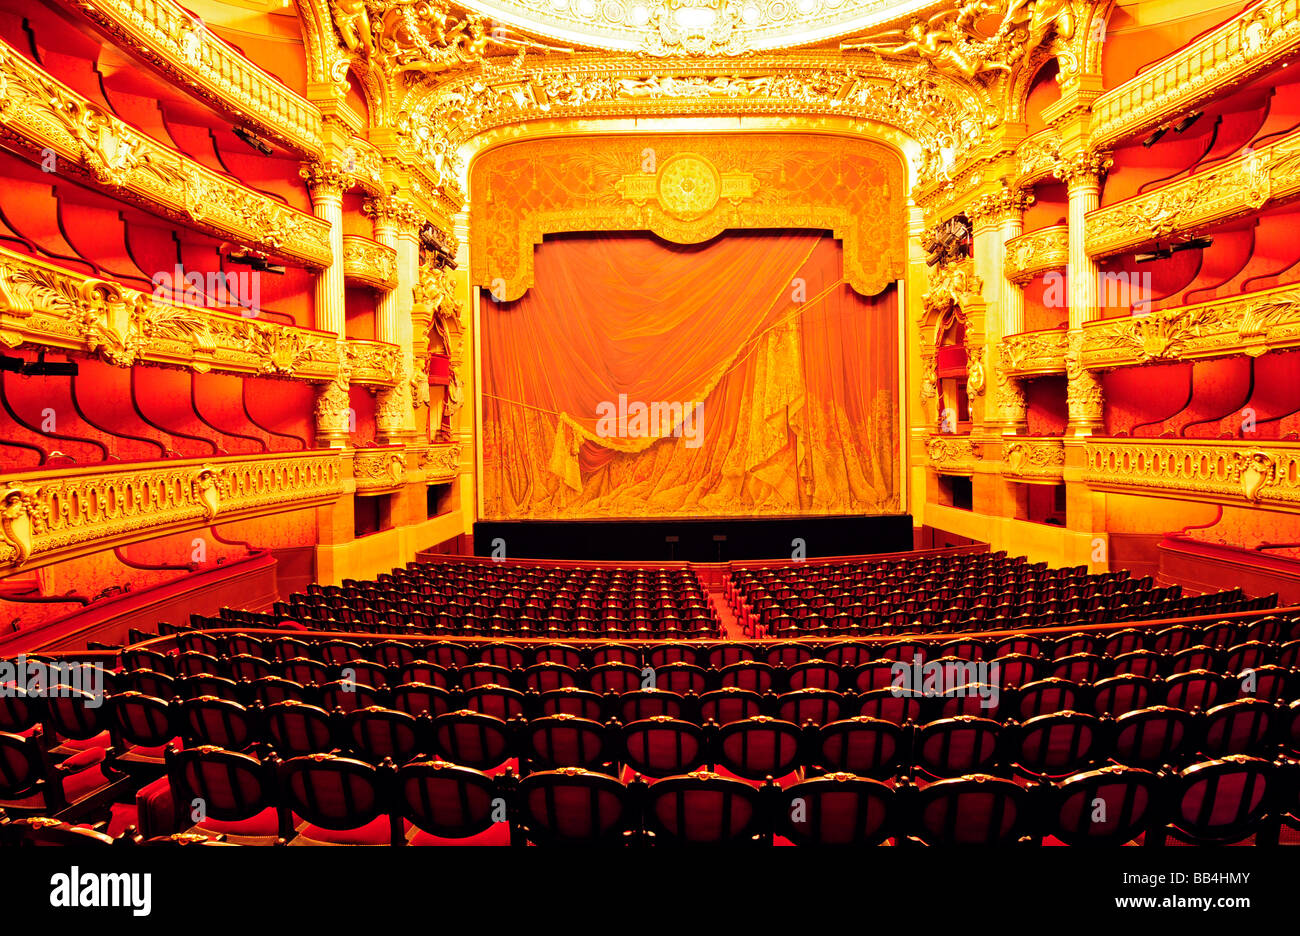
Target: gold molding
{"type": "Point", "coordinates": [39, 115]}
{"type": "Point", "coordinates": [205, 65]}
{"type": "Point", "coordinates": [1247, 324]}
{"type": "Point", "coordinates": [1037, 252]}
{"type": "Point", "coordinates": [1262, 474]}
{"type": "Point", "coordinates": [1033, 458]}
{"type": "Point", "coordinates": [1267, 176]}
{"type": "Point", "coordinates": [369, 263]}
{"type": "Point", "coordinates": [1033, 354]}
{"type": "Point", "coordinates": [1240, 48]}
{"type": "Point", "coordinates": [41, 304]}
{"type": "Point", "coordinates": [48, 517]}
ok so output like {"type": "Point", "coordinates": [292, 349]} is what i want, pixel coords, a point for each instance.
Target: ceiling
{"type": "Point", "coordinates": [695, 26]}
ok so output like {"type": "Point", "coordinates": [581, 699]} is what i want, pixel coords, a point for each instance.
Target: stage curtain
{"type": "Point", "coordinates": [796, 375]}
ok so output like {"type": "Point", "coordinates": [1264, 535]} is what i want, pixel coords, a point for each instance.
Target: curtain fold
{"type": "Point", "coordinates": [736, 378]}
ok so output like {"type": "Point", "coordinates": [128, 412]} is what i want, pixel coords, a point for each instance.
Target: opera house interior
{"type": "Point", "coordinates": [648, 423]}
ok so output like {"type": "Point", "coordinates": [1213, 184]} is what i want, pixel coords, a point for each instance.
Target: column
{"type": "Point", "coordinates": [396, 223]}
{"type": "Point", "coordinates": [1081, 173]}
{"type": "Point", "coordinates": [335, 420]}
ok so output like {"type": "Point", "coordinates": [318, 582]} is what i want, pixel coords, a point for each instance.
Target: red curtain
{"type": "Point", "coordinates": [770, 385]}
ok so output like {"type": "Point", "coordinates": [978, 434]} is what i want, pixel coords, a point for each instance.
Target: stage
{"type": "Point", "coordinates": [704, 540]}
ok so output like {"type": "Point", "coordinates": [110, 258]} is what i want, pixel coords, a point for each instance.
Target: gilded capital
{"type": "Point", "coordinates": [1081, 168]}
{"type": "Point", "coordinates": [996, 207]}
{"type": "Point", "coordinates": [326, 177]}
{"type": "Point", "coordinates": [396, 213]}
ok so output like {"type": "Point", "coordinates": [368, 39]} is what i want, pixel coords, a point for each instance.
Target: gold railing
{"type": "Point", "coordinates": [373, 362]}
{"type": "Point", "coordinates": [53, 516]}
{"type": "Point", "coordinates": [1245, 45]}
{"type": "Point", "coordinates": [1267, 176]}
{"type": "Point", "coordinates": [195, 58]}
{"type": "Point", "coordinates": [42, 117]}
{"type": "Point", "coordinates": [379, 470]}
{"type": "Point", "coordinates": [1264, 473]}
{"type": "Point", "coordinates": [1247, 324]}
{"type": "Point", "coordinates": [952, 454]}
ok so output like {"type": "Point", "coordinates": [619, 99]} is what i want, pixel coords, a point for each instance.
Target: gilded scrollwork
{"type": "Point", "coordinates": [368, 262]}
{"type": "Point", "coordinates": [440, 463]}
{"type": "Point", "coordinates": [1037, 458]}
{"type": "Point", "coordinates": [1033, 353]}
{"type": "Point", "coordinates": [44, 305]}
{"type": "Point", "coordinates": [1029, 255]}
{"type": "Point", "coordinates": [953, 454]}
{"type": "Point", "coordinates": [375, 470]}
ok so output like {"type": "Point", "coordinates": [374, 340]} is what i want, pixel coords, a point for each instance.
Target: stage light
{"type": "Point", "coordinates": [1161, 253]}
{"type": "Point", "coordinates": [1188, 121]}
{"type": "Point", "coordinates": [1155, 137]}
{"type": "Point", "coordinates": [261, 264]}
{"type": "Point", "coordinates": [12, 364]}
{"type": "Point", "coordinates": [255, 141]}
{"type": "Point", "coordinates": [41, 368]}
{"type": "Point", "coordinates": [1196, 243]}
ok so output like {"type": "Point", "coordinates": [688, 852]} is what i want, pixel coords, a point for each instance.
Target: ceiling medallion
{"type": "Point", "coordinates": [687, 187]}
{"type": "Point", "coordinates": [697, 27]}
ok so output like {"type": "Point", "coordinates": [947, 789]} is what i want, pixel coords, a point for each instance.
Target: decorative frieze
{"type": "Point", "coordinates": [440, 463]}
{"type": "Point", "coordinates": [379, 470]}
{"type": "Point", "coordinates": [373, 363]}
{"type": "Point", "coordinates": [42, 117]}
{"type": "Point", "coordinates": [953, 454]}
{"type": "Point", "coordinates": [41, 304]}
{"type": "Point", "coordinates": [1031, 458]}
{"type": "Point", "coordinates": [51, 516]}
{"type": "Point", "coordinates": [1032, 354]}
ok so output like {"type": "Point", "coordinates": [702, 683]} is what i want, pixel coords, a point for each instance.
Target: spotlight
{"type": "Point", "coordinates": [39, 367]}
{"type": "Point", "coordinates": [12, 364]}
{"type": "Point", "coordinates": [1196, 243]}
{"type": "Point", "coordinates": [1155, 137]}
{"type": "Point", "coordinates": [1188, 121]}
{"type": "Point", "coordinates": [255, 141]}
{"type": "Point", "coordinates": [261, 264]}
{"type": "Point", "coordinates": [1160, 253]}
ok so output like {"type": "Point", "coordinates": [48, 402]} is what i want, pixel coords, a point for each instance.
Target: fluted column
{"type": "Point", "coordinates": [335, 420]}
{"type": "Point", "coordinates": [1081, 173]}
{"type": "Point", "coordinates": [327, 181]}
{"type": "Point", "coordinates": [396, 223]}
{"type": "Point", "coordinates": [996, 218]}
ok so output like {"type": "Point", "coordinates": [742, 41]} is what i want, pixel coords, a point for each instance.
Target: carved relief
{"type": "Point", "coordinates": [368, 262]}
{"type": "Point", "coordinates": [1033, 353]}
{"type": "Point", "coordinates": [1034, 458]}
{"type": "Point", "coordinates": [1037, 252]}
{"type": "Point", "coordinates": [1214, 470]}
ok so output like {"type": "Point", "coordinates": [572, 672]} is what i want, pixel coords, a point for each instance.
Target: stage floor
{"type": "Point", "coordinates": [703, 540]}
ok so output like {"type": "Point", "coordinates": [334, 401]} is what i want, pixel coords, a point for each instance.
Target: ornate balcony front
{"type": "Point", "coordinates": [1033, 458]}
{"type": "Point", "coordinates": [56, 515]}
{"type": "Point", "coordinates": [1037, 252]}
{"type": "Point", "coordinates": [1033, 354]}
{"type": "Point", "coordinates": [1248, 324]}
{"type": "Point", "coordinates": [953, 454]}
{"type": "Point", "coordinates": [1266, 474]}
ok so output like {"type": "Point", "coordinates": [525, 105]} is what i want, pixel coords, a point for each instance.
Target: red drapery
{"type": "Point", "coordinates": [770, 383]}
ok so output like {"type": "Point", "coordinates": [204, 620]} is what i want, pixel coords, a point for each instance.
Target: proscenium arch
{"type": "Point", "coordinates": [829, 213]}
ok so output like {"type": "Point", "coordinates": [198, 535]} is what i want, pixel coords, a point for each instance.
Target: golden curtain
{"type": "Point", "coordinates": [794, 372]}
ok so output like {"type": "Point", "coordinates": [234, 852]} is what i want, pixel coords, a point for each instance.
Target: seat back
{"type": "Point", "coordinates": [573, 806]}
{"type": "Point", "coordinates": [836, 809]}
